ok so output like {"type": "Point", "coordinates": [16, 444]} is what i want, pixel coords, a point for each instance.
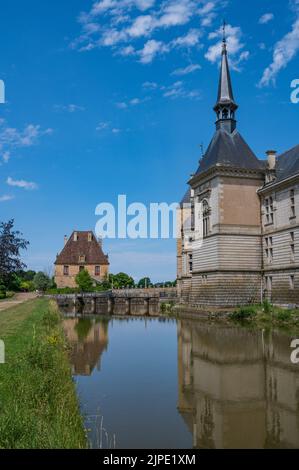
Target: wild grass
{"type": "Point", "coordinates": [267, 314]}
{"type": "Point", "coordinates": [38, 403]}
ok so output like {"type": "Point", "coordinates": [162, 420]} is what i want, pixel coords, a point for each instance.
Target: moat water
{"type": "Point", "coordinates": [160, 383]}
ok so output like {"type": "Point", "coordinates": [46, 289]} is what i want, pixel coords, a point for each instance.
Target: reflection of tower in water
{"type": "Point", "coordinates": [237, 388]}
{"type": "Point", "coordinates": [88, 340]}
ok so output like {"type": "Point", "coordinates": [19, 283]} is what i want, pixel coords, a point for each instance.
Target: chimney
{"type": "Point", "coordinates": [271, 159]}
{"type": "Point", "coordinates": [65, 239]}
{"type": "Point", "coordinates": [100, 241]}
{"type": "Point", "coordinates": [75, 236]}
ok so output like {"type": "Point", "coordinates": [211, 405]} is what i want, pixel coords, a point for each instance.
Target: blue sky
{"type": "Point", "coordinates": [115, 97]}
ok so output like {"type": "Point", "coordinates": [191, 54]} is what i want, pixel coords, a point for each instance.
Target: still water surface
{"type": "Point", "coordinates": [157, 383]}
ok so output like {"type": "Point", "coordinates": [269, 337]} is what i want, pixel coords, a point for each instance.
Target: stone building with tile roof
{"type": "Point", "coordinates": [239, 218]}
{"type": "Point", "coordinates": [81, 251]}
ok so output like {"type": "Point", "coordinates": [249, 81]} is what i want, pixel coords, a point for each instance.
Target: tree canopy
{"type": "Point", "coordinates": [11, 244]}
{"type": "Point", "coordinates": [84, 281]}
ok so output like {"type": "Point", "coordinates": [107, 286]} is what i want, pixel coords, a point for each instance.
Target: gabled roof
{"type": "Point", "coordinates": [92, 250]}
{"type": "Point", "coordinates": [229, 149]}
{"type": "Point", "coordinates": [287, 164]}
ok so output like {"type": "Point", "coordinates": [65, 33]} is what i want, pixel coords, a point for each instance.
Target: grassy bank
{"type": "Point", "coordinates": [267, 315]}
{"type": "Point", "coordinates": [38, 407]}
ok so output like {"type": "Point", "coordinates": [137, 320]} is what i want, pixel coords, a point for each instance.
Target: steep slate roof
{"type": "Point", "coordinates": [225, 89]}
{"type": "Point", "coordinates": [229, 149]}
{"type": "Point", "coordinates": [82, 247]}
{"type": "Point", "coordinates": [186, 198]}
{"type": "Point", "coordinates": [287, 164]}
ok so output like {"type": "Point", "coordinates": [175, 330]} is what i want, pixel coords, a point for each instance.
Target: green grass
{"type": "Point", "coordinates": [38, 402]}
{"type": "Point", "coordinates": [267, 315]}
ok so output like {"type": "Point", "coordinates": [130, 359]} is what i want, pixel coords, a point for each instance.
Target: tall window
{"type": "Point", "coordinates": [190, 259]}
{"type": "Point", "coordinates": [292, 203]}
{"type": "Point", "coordinates": [66, 270]}
{"type": "Point", "coordinates": [269, 249]}
{"type": "Point", "coordinates": [97, 270]}
{"type": "Point", "coordinates": [292, 282]}
{"type": "Point", "coordinates": [292, 246]}
{"type": "Point", "coordinates": [269, 210]}
{"type": "Point", "coordinates": [206, 218]}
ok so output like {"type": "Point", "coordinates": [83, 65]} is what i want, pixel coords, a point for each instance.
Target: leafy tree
{"type": "Point", "coordinates": [84, 281]}
{"type": "Point", "coordinates": [27, 275]}
{"type": "Point", "coordinates": [27, 286]}
{"type": "Point", "coordinates": [144, 282]}
{"type": "Point", "coordinates": [121, 280]}
{"type": "Point", "coordinates": [11, 244]}
{"type": "Point", "coordinates": [2, 291]}
{"type": "Point", "coordinates": [42, 282]}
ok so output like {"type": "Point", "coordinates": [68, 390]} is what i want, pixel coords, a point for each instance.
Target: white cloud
{"type": "Point", "coordinates": [266, 18]}
{"type": "Point", "coordinates": [29, 186]}
{"type": "Point", "coordinates": [178, 90]}
{"type": "Point", "coordinates": [284, 51]}
{"type": "Point", "coordinates": [186, 70]}
{"type": "Point", "coordinates": [191, 39]}
{"type": "Point", "coordinates": [150, 85]}
{"type": "Point", "coordinates": [150, 50]}
{"type": "Point", "coordinates": [12, 138]}
{"type": "Point", "coordinates": [70, 108]}
{"type": "Point", "coordinates": [117, 24]}
{"type": "Point", "coordinates": [6, 198]}
{"type": "Point", "coordinates": [132, 102]}
{"type": "Point", "coordinates": [102, 126]}
{"type": "Point", "coordinates": [107, 126]}
{"type": "Point", "coordinates": [234, 46]}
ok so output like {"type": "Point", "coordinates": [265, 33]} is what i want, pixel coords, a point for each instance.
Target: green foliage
{"type": "Point", "coordinates": [267, 307]}
{"type": "Point", "coordinates": [121, 280]}
{"type": "Point", "coordinates": [65, 290]}
{"type": "Point", "coordinates": [84, 281]}
{"type": "Point", "coordinates": [244, 313]}
{"type": "Point", "coordinates": [11, 245]}
{"type": "Point", "coordinates": [2, 291]}
{"type": "Point", "coordinates": [144, 283]}
{"type": "Point", "coordinates": [39, 407]}
{"type": "Point", "coordinates": [27, 286]}
{"type": "Point", "coordinates": [42, 282]}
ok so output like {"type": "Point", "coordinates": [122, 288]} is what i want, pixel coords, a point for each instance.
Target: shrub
{"type": "Point", "coordinates": [267, 306]}
{"type": "Point", "coordinates": [243, 313]}
{"type": "Point", "coordinates": [41, 281]}
{"type": "Point", "coordinates": [283, 315]}
{"type": "Point", "coordinates": [84, 281]}
{"type": "Point", "coordinates": [2, 291]}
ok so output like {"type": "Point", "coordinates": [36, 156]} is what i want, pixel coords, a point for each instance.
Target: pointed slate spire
{"type": "Point", "coordinates": [225, 107]}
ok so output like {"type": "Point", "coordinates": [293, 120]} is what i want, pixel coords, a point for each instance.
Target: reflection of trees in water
{"type": "Point", "coordinates": [83, 328]}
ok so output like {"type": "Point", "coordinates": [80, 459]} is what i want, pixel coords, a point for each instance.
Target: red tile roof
{"type": "Point", "coordinates": [72, 251]}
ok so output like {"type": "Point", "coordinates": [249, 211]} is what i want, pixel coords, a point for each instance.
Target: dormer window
{"type": "Point", "coordinates": [82, 259]}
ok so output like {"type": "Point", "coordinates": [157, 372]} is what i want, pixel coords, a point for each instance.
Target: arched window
{"type": "Point", "coordinates": [206, 218]}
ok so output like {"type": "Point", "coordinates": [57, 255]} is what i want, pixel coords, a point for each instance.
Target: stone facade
{"type": "Point", "coordinates": [62, 280]}
{"type": "Point", "coordinates": [239, 225]}
{"type": "Point", "coordinates": [81, 251]}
